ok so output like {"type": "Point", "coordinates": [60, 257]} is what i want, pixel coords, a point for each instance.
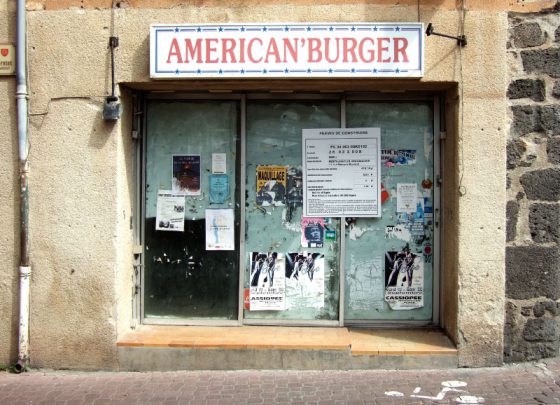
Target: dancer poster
{"type": "Point", "coordinates": [267, 281]}
{"type": "Point", "coordinates": [404, 280]}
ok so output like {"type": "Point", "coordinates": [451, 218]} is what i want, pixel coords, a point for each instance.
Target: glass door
{"type": "Point", "coordinates": [389, 261]}
{"type": "Point", "coordinates": [292, 263]}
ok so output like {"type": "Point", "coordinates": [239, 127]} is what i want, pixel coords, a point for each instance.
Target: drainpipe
{"type": "Point", "coordinates": [25, 267]}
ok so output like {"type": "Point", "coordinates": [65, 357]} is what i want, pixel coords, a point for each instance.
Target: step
{"type": "Point", "coordinates": [160, 348]}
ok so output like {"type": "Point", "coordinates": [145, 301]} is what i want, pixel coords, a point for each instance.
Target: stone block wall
{"type": "Point", "coordinates": [532, 325]}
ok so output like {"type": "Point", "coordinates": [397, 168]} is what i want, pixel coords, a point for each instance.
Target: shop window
{"type": "Point", "coordinates": [232, 170]}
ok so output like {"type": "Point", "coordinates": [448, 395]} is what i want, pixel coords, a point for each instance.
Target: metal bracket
{"type": "Point", "coordinates": [461, 39]}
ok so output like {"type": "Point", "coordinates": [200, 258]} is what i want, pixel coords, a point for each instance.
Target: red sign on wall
{"type": "Point", "coordinates": [7, 59]}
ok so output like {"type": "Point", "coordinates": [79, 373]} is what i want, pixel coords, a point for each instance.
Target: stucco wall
{"type": "Point", "coordinates": [9, 199]}
{"type": "Point", "coordinates": [81, 183]}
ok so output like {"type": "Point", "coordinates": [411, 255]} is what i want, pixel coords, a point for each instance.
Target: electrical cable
{"type": "Point", "coordinates": [462, 189]}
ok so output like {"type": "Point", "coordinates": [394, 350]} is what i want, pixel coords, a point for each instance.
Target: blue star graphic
{"type": "Point", "coordinates": [331, 28]}
{"type": "Point", "coordinates": [330, 70]}
{"type": "Point", "coordinates": [353, 29]}
{"type": "Point", "coordinates": [242, 71]}
{"type": "Point", "coordinates": [375, 29]}
{"type": "Point", "coordinates": [397, 29]}
{"type": "Point", "coordinates": [397, 70]}
{"type": "Point", "coordinates": [199, 29]}
{"type": "Point", "coordinates": [264, 71]}
{"type": "Point", "coordinates": [176, 29]}
{"type": "Point", "coordinates": [242, 29]}
{"type": "Point", "coordinates": [198, 71]}
{"type": "Point", "coordinates": [286, 28]}
{"type": "Point", "coordinates": [220, 29]}
{"type": "Point", "coordinates": [286, 71]}
{"type": "Point", "coordinates": [308, 28]}
{"type": "Point", "coordinates": [308, 70]}
{"type": "Point", "coordinates": [353, 70]}
{"type": "Point", "coordinates": [177, 72]}
{"type": "Point", "coordinates": [374, 70]}
{"type": "Point", "coordinates": [264, 29]}
{"type": "Point", "coordinates": [220, 72]}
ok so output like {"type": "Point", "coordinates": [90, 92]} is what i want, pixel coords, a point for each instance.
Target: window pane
{"type": "Point", "coordinates": [182, 279]}
{"type": "Point", "coordinates": [274, 138]}
{"type": "Point", "coordinates": [377, 246]}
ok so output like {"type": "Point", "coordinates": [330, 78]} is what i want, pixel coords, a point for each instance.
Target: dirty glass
{"type": "Point", "coordinates": [274, 225]}
{"type": "Point", "coordinates": [182, 279]}
{"type": "Point", "coordinates": [378, 249]}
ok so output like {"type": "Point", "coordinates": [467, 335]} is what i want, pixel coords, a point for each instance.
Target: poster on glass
{"type": "Point", "coordinates": [267, 291]}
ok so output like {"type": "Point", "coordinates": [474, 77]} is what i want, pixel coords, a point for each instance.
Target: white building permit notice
{"type": "Point", "coordinates": [341, 172]}
{"type": "Point", "coordinates": [220, 233]}
{"type": "Point", "coordinates": [170, 211]}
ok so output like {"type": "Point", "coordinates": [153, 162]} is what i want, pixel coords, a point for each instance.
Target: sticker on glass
{"type": "Point", "coordinates": [271, 185]}
{"type": "Point", "coordinates": [267, 291]}
{"type": "Point", "coordinates": [170, 211]}
{"type": "Point", "coordinates": [220, 230]}
{"type": "Point", "coordinates": [305, 280]}
{"type": "Point", "coordinates": [312, 232]}
{"type": "Point", "coordinates": [219, 188]}
{"type": "Point", "coordinates": [186, 174]}
{"type": "Point", "coordinates": [398, 157]}
{"type": "Point", "coordinates": [404, 280]}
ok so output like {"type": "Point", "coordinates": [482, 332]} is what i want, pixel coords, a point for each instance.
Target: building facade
{"type": "Point", "coordinates": [201, 203]}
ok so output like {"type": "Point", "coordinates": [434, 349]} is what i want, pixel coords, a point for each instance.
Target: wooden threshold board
{"type": "Point", "coordinates": [360, 342]}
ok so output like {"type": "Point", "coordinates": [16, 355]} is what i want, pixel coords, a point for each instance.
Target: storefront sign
{"type": "Point", "coordinates": [287, 50]}
{"type": "Point", "coordinates": [341, 172]}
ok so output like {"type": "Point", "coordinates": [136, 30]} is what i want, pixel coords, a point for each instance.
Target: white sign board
{"type": "Point", "coordinates": [341, 172]}
{"type": "Point", "coordinates": [287, 50]}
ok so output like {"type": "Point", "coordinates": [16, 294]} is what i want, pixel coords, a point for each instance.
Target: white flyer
{"type": "Point", "coordinates": [220, 229]}
{"type": "Point", "coordinates": [219, 163]}
{"type": "Point", "coordinates": [406, 197]}
{"type": "Point", "coordinates": [170, 211]}
{"type": "Point", "coordinates": [342, 172]}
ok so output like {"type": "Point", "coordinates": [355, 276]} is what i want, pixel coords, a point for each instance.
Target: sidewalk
{"type": "Point", "coordinates": [530, 383]}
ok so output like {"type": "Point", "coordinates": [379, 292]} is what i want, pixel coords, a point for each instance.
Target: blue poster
{"type": "Point", "coordinates": [219, 188]}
